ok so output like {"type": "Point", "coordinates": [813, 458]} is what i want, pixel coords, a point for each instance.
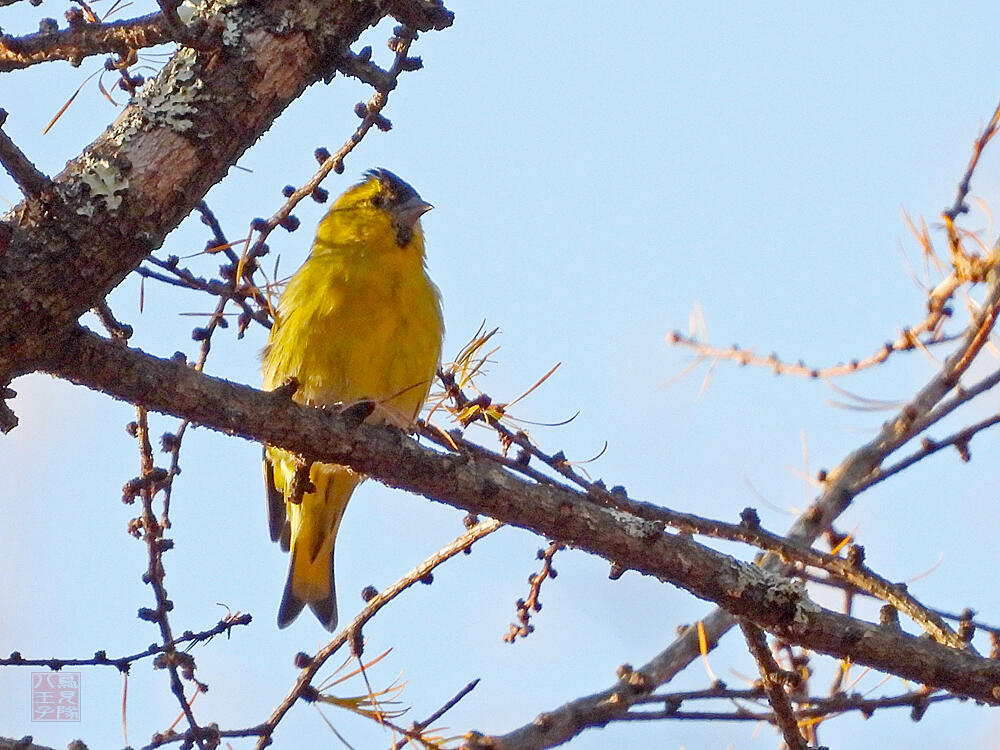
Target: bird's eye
{"type": "Point", "coordinates": [378, 200]}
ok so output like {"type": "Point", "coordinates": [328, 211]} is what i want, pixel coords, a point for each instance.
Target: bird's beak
{"type": "Point", "coordinates": [409, 212]}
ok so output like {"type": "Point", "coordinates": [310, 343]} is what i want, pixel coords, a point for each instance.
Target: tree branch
{"type": "Point", "coordinates": [63, 250]}
{"type": "Point", "coordinates": [124, 663]}
{"type": "Point", "coordinates": [481, 486]}
{"type": "Point", "coordinates": [774, 680]}
{"type": "Point", "coordinates": [855, 473]}
{"type": "Point", "coordinates": [18, 166]}
{"type": "Point", "coordinates": [83, 40]}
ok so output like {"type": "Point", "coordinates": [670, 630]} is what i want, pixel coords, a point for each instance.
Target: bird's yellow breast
{"type": "Point", "coordinates": [359, 320]}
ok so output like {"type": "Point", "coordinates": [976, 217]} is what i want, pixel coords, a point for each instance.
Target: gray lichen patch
{"type": "Point", "coordinates": [781, 593]}
{"type": "Point", "coordinates": [307, 18]}
{"type": "Point", "coordinates": [170, 98]}
{"type": "Point", "coordinates": [99, 182]}
{"type": "Point", "coordinates": [229, 12]}
{"type": "Point", "coordinates": [633, 525]}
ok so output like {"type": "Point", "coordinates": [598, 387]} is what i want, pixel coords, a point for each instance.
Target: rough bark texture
{"type": "Point", "coordinates": [482, 486]}
{"type": "Point", "coordinates": [75, 238]}
{"type": "Point", "coordinates": [63, 249]}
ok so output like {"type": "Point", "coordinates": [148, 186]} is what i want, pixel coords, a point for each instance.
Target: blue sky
{"type": "Point", "coordinates": [597, 172]}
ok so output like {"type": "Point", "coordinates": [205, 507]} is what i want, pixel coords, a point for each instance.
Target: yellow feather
{"type": "Point", "coordinates": [360, 320]}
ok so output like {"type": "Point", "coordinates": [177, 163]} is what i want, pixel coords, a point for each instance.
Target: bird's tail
{"type": "Point", "coordinates": [314, 523]}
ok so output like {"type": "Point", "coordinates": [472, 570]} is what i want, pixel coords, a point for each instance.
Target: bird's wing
{"type": "Point", "coordinates": [277, 522]}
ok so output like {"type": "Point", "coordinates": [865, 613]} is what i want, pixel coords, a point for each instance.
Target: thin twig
{"type": "Point", "coordinates": [371, 116]}
{"type": "Point", "coordinates": [748, 531]}
{"type": "Point", "coordinates": [352, 632]}
{"type": "Point", "coordinates": [842, 484]}
{"type": "Point", "coordinates": [774, 680]}
{"type": "Point", "coordinates": [417, 728]}
{"type": "Point", "coordinates": [124, 663]}
{"type": "Point", "coordinates": [525, 607]}
{"type": "Point", "coordinates": [119, 331]}
{"type": "Point", "coordinates": [908, 340]}
{"type": "Point", "coordinates": [152, 532]}
{"type": "Point", "coordinates": [958, 207]}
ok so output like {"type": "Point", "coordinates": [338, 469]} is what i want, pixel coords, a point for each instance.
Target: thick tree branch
{"type": "Point", "coordinates": [25, 743]}
{"type": "Point", "coordinates": [18, 166]}
{"type": "Point", "coordinates": [858, 471]}
{"type": "Point", "coordinates": [63, 250]}
{"type": "Point", "coordinates": [481, 486]}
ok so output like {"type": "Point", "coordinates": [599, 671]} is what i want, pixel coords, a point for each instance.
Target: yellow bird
{"type": "Point", "coordinates": [360, 320]}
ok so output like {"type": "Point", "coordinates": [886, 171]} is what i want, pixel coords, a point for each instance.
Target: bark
{"type": "Point", "coordinates": [64, 248]}
{"type": "Point", "coordinates": [624, 534]}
